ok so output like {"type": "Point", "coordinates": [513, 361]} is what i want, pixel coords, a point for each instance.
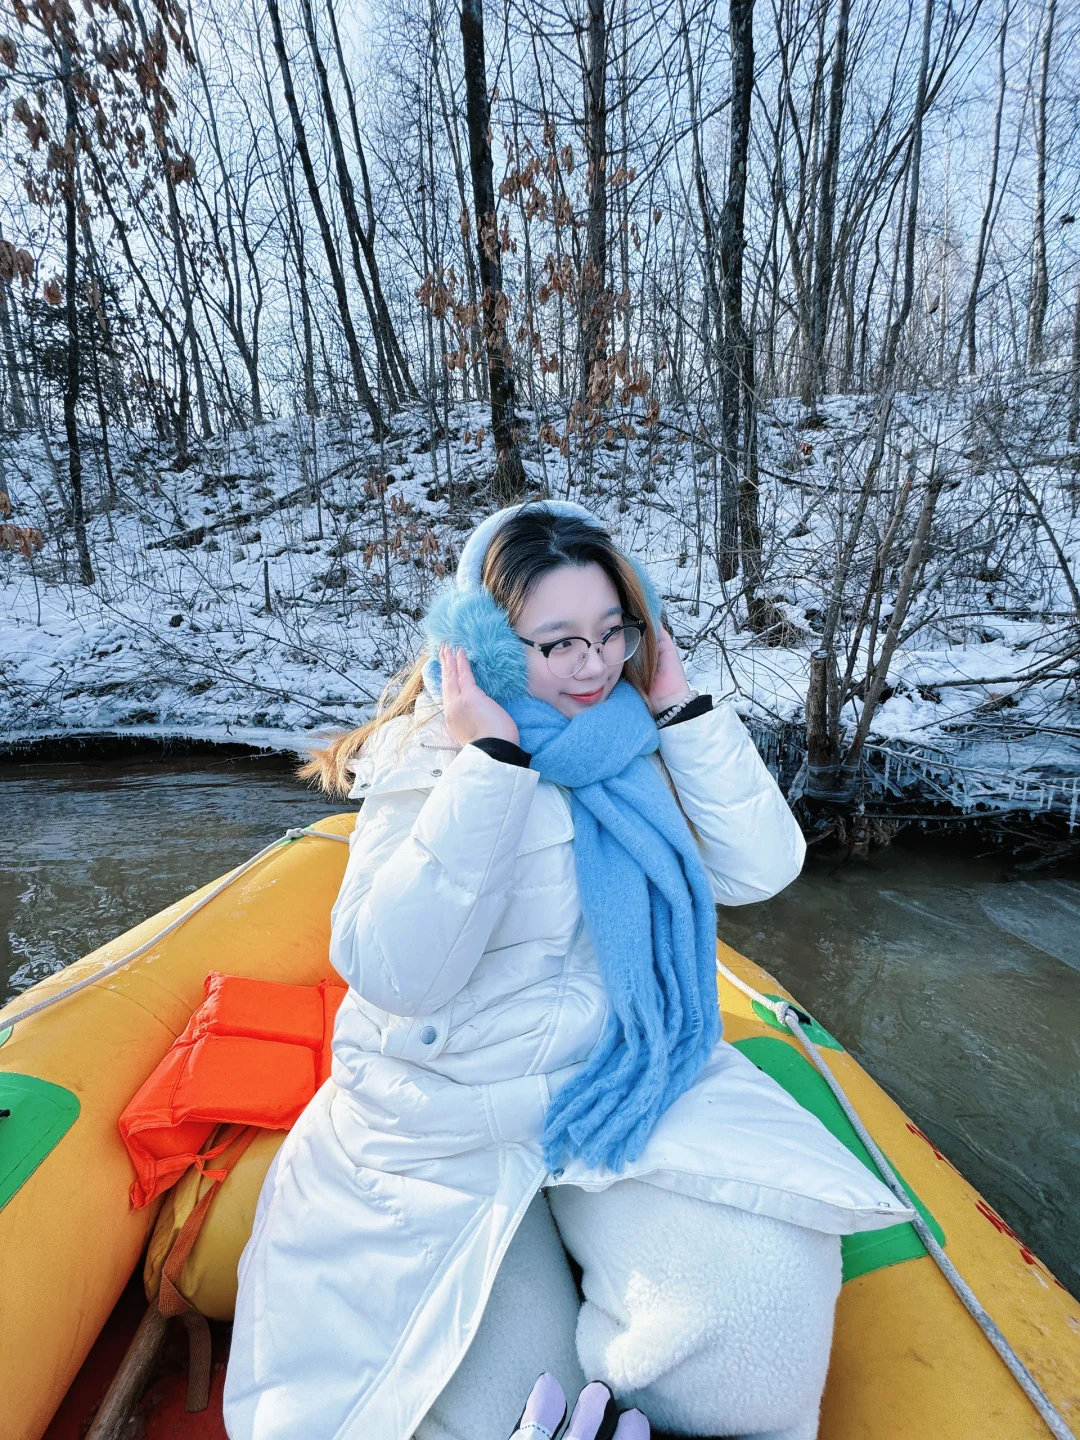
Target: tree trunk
{"type": "Point", "coordinates": [426, 189]}
{"type": "Point", "coordinates": [294, 238]}
{"type": "Point", "coordinates": [967, 334]}
{"type": "Point", "coordinates": [1074, 378]}
{"type": "Point", "coordinates": [823, 250]}
{"type": "Point", "coordinates": [594, 298]}
{"type": "Point", "coordinates": [915, 162]}
{"type": "Point", "coordinates": [71, 311]}
{"type": "Point", "coordinates": [98, 323]}
{"type": "Point", "coordinates": [908, 576]}
{"type": "Point", "coordinates": [810, 209]}
{"type": "Point", "coordinates": [1040, 288]}
{"type": "Point", "coordinates": [156, 114]}
{"type": "Point", "coordinates": [178, 418]}
{"type": "Point", "coordinates": [737, 356]}
{"type": "Point", "coordinates": [19, 417]}
{"type": "Point", "coordinates": [854, 525]}
{"type": "Point", "coordinates": [623, 204]}
{"type": "Point", "coordinates": [761, 615]}
{"type": "Point", "coordinates": [367, 234]}
{"type": "Point", "coordinates": [391, 384]}
{"type": "Point", "coordinates": [476, 334]}
{"type": "Point", "coordinates": [233, 310]}
{"type": "Point", "coordinates": [509, 480]}
{"type": "Point", "coordinates": [311, 397]}
{"type": "Point", "coordinates": [363, 390]}
{"type": "Point", "coordinates": [24, 347]}
{"type": "Point", "coordinates": [727, 559]}
{"type": "Point", "coordinates": [822, 755]}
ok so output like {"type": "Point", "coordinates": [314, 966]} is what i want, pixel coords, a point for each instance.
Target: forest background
{"type": "Point", "coordinates": [789, 292]}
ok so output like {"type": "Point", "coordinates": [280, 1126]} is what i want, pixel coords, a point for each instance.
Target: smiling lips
{"type": "Point", "coordinates": [588, 697]}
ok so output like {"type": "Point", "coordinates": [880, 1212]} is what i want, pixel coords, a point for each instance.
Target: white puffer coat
{"type": "Point", "coordinates": [474, 994]}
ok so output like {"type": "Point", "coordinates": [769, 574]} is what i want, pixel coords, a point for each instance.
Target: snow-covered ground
{"type": "Point", "coordinates": [176, 638]}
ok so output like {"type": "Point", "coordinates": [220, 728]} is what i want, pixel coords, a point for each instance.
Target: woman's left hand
{"type": "Point", "coordinates": [470, 714]}
{"type": "Point", "coordinates": [669, 683]}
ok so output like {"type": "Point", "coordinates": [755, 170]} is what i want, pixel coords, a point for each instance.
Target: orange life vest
{"type": "Point", "coordinates": [253, 1053]}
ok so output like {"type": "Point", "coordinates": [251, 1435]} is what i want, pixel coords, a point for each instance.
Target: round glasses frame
{"type": "Point", "coordinates": [633, 629]}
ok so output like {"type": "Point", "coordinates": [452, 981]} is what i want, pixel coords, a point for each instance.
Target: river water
{"type": "Point", "coordinates": [954, 984]}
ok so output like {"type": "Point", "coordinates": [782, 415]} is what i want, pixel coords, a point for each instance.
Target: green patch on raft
{"type": "Point", "coordinates": [39, 1116]}
{"type": "Point", "coordinates": [873, 1249]}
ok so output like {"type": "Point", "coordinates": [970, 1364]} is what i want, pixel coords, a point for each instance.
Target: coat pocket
{"type": "Point", "coordinates": [542, 903]}
{"type": "Point", "coordinates": [549, 821]}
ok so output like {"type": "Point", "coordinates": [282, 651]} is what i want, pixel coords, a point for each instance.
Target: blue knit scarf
{"type": "Point", "coordinates": [649, 910]}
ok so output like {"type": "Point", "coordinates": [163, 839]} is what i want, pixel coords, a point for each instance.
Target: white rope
{"type": "Point", "coordinates": [7, 1022]}
{"type": "Point", "coordinates": [788, 1016]}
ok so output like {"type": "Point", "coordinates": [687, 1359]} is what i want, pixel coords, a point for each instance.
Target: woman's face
{"type": "Point", "coordinates": [571, 600]}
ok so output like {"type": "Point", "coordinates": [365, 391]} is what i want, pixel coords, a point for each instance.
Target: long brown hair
{"type": "Point", "coordinates": [530, 543]}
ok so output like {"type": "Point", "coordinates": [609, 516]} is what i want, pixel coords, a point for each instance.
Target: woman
{"type": "Point", "coordinates": [528, 1059]}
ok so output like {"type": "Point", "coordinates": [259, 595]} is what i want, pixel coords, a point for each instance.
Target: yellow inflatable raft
{"type": "Point", "coordinates": [908, 1363]}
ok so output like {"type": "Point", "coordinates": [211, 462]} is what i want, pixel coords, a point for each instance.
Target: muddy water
{"type": "Point", "coordinates": [88, 850]}
{"type": "Point", "coordinates": [957, 986]}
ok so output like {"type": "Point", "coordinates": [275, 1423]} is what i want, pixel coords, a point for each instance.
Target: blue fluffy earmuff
{"type": "Point", "coordinates": [464, 613]}
{"type": "Point", "coordinates": [474, 620]}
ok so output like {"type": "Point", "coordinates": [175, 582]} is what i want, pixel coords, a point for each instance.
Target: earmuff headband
{"type": "Point", "coordinates": [471, 565]}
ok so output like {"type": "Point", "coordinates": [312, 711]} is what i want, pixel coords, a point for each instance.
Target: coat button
{"type": "Point", "coordinates": [427, 1034]}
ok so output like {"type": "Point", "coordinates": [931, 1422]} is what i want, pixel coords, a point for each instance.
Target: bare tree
{"type": "Point", "coordinates": [391, 382]}
{"type": "Point", "coordinates": [1074, 377]}
{"type": "Point", "coordinates": [1040, 287]}
{"type": "Point", "coordinates": [244, 332]}
{"type": "Point", "coordinates": [175, 170]}
{"type": "Point", "coordinates": [293, 239]}
{"type": "Point", "coordinates": [387, 329]}
{"type": "Point", "coordinates": [823, 248]}
{"type": "Point", "coordinates": [968, 330]}
{"type": "Point", "coordinates": [71, 309]}
{"type": "Point", "coordinates": [360, 380]}
{"type": "Point", "coordinates": [738, 391]}
{"type": "Point", "coordinates": [594, 299]}
{"type": "Point", "coordinates": [9, 266]}
{"type": "Point", "coordinates": [912, 180]}
{"type": "Point", "coordinates": [712, 310]}
{"type": "Point", "coordinates": [509, 479]}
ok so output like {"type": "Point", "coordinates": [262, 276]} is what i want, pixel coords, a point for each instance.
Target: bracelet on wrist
{"type": "Point", "coordinates": [671, 711]}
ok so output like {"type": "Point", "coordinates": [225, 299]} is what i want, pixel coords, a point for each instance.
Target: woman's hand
{"type": "Point", "coordinates": [669, 683]}
{"type": "Point", "coordinates": [470, 714]}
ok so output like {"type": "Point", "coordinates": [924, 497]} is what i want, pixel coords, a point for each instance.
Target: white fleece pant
{"type": "Point", "coordinates": [713, 1321]}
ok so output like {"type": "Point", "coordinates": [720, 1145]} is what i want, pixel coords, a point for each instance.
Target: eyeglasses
{"type": "Point", "coordinates": [565, 657]}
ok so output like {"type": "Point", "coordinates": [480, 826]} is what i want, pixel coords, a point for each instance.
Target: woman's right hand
{"type": "Point", "coordinates": [470, 714]}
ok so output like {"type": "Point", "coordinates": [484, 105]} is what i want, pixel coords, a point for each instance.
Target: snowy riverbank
{"type": "Point", "coordinates": [264, 595]}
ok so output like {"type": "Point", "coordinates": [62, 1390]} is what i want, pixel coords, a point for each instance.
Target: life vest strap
{"type": "Point", "coordinates": [170, 1300]}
